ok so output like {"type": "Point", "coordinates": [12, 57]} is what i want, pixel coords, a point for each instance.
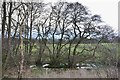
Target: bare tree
{"type": "Point", "coordinates": [64, 33]}
{"type": "Point", "coordinates": [21, 48]}
{"type": "Point", "coordinates": [9, 34]}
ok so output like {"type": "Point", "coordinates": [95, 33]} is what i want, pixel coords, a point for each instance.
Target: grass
{"type": "Point", "coordinates": [59, 73]}
{"type": "Point", "coordinates": [102, 51]}
{"type": "Point", "coordinates": [105, 52]}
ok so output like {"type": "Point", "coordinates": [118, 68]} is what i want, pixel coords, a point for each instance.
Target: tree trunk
{"type": "Point", "coordinates": [9, 27]}
{"type": "Point", "coordinates": [21, 55]}
{"type": "Point", "coordinates": [3, 23]}
{"type": "Point", "coordinates": [3, 28]}
{"type": "Point", "coordinates": [9, 41]}
{"type": "Point", "coordinates": [31, 23]}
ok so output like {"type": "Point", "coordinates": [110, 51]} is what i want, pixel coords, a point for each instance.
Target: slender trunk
{"type": "Point", "coordinates": [21, 48]}
{"type": "Point", "coordinates": [9, 42]}
{"type": "Point", "coordinates": [3, 29]}
{"type": "Point", "coordinates": [21, 55]}
{"type": "Point", "coordinates": [69, 61]}
{"type": "Point", "coordinates": [9, 27]}
{"type": "Point", "coordinates": [31, 23]}
{"type": "Point", "coordinates": [3, 23]}
{"type": "Point", "coordinates": [27, 36]}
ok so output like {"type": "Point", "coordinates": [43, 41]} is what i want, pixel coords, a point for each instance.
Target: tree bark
{"type": "Point", "coordinates": [9, 41]}
{"type": "Point", "coordinates": [31, 23]}
{"type": "Point", "coordinates": [21, 54]}
{"type": "Point", "coordinates": [3, 23]}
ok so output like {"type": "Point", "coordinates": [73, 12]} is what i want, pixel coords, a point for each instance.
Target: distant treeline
{"type": "Point", "coordinates": [50, 41]}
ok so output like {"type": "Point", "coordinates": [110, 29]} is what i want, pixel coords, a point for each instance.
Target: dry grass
{"type": "Point", "coordinates": [58, 73]}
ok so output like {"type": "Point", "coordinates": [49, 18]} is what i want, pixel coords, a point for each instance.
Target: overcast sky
{"type": "Point", "coordinates": [107, 9]}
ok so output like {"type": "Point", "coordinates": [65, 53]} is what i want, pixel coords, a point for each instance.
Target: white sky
{"type": "Point", "coordinates": [107, 9]}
